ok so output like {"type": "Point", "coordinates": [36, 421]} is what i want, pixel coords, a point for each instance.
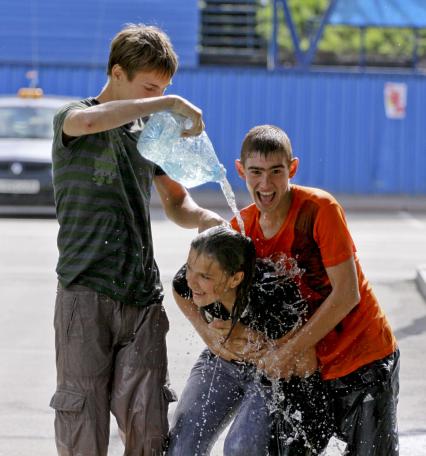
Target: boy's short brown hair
{"type": "Point", "coordinates": [266, 140]}
{"type": "Point", "coordinates": [141, 47]}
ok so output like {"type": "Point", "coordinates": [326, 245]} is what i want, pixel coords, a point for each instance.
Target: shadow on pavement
{"type": "Point", "coordinates": [418, 326]}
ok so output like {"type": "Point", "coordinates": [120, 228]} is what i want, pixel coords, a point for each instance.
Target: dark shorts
{"type": "Point", "coordinates": [364, 405]}
{"type": "Point", "coordinates": [109, 357]}
{"type": "Point", "coordinates": [303, 420]}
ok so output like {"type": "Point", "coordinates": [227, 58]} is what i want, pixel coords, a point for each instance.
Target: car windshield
{"type": "Point", "coordinates": [26, 122]}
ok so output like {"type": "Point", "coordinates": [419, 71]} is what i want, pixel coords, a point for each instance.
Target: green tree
{"type": "Point", "coordinates": [340, 44]}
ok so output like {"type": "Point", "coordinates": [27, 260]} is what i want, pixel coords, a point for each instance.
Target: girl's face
{"type": "Point", "coordinates": [209, 282]}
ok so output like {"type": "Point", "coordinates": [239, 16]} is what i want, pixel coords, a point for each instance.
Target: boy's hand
{"type": "Point", "coordinates": [243, 341]}
{"type": "Point", "coordinates": [307, 363]}
{"type": "Point", "coordinates": [215, 342]}
{"type": "Point", "coordinates": [208, 219]}
{"type": "Point", "coordinates": [283, 362]}
{"type": "Point", "coordinates": [185, 108]}
{"type": "Point", "coordinates": [277, 363]}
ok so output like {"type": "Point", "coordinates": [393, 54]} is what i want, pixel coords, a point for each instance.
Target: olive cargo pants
{"type": "Point", "coordinates": [109, 357]}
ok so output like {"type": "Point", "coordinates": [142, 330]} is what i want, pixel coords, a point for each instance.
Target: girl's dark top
{"type": "Point", "coordinates": [302, 413]}
{"type": "Point", "coordinates": [275, 305]}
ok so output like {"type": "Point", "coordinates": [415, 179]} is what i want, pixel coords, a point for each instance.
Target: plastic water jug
{"type": "Point", "coordinates": [191, 161]}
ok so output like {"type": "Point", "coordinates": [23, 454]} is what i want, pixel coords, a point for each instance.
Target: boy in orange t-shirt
{"type": "Point", "coordinates": [356, 350]}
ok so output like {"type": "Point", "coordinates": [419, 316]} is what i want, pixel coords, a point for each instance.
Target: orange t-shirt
{"type": "Point", "coordinates": [316, 235]}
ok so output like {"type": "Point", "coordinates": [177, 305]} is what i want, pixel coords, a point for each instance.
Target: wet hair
{"type": "Point", "coordinates": [140, 47]}
{"type": "Point", "coordinates": [266, 140]}
{"type": "Point", "coordinates": [234, 253]}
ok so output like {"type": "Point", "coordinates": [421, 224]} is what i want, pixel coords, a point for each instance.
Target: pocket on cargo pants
{"type": "Point", "coordinates": [68, 406]}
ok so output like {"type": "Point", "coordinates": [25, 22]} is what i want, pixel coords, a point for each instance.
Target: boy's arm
{"type": "Point", "coordinates": [280, 362]}
{"type": "Point", "coordinates": [243, 341]}
{"type": "Point", "coordinates": [181, 208]}
{"type": "Point", "coordinates": [113, 114]}
{"type": "Point", "coordinates": [212, 338]}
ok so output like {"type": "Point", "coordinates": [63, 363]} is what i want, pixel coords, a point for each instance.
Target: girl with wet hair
{"type": "Point", "coordinates": [234, 253]}
{"type": "Point", "coordinates": [222, 280]}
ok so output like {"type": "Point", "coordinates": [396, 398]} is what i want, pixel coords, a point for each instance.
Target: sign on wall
{"type": "Point", "coordinates": [395, 100]}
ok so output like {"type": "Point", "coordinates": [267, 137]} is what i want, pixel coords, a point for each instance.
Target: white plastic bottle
{"type": "Point", "coordinates": [191, 161]}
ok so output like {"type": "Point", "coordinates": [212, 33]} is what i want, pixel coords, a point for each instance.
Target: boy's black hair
{"type": "Point", "coordinates": [265, 140]}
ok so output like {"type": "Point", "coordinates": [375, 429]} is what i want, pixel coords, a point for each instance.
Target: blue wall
{"type": "Point", "coordinates": [336, 121]}
{"type": "Point", "coordinates": [79, 31]}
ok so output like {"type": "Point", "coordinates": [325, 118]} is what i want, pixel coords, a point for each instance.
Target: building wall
{"type": "Point", "coordinates": [336, 121]}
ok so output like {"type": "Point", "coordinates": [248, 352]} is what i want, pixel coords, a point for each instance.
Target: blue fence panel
{"type": "Point", "coordinates": [80, 31]}
{"type": "Point", "coordinates": [336, 121]}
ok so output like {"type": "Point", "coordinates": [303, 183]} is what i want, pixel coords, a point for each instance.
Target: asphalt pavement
{"type": "Point", "coordinates": [391, 245]}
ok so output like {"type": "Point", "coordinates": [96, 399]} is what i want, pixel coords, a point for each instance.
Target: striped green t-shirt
{"type": "Point", "coordinates": [102, 192]}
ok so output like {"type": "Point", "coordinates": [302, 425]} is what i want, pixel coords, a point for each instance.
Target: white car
{"type": "Point", "coordinates": [26, 132]}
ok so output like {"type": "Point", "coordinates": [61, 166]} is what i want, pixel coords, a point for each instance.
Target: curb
{"type": "Point", "coordinates": [213, 198]}
{"type": "Point", "coordinates": [383, 203]}
{"type": "Point", "coordinates": [421, 280]}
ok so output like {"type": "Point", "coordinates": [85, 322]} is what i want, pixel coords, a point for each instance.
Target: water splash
{"type": "Point", "coordinates": [283, 266]}
{"type": "Point", "coordinates": [206, 403]}
{"type": "Point", "coordinates": [276, 290]}
{"type": "Point", "coordinates": [230, 198]}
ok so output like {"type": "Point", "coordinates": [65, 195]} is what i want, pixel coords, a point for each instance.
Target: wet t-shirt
{"type": "Point", "coordinates": [275, 305]}
{"type": "Point", "coordinates": [315, 234]}
{"type": "Point", "coordinates": [102, 188]}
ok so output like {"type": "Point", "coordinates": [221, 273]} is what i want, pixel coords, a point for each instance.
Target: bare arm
{"type": "Point", "coordinates": [211, 337]}
{"type": "Point", "coordinates": [244, 342]}
{"type": "Point", "coordinates": [181, 208]}
{"type": "Point", "coordinates": [281, 362]}
{"type": "Point", "coordinates": [113, 114]}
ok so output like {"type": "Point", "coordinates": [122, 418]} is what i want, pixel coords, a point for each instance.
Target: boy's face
{"type": "Point", "coordinates": [145, 84]}
{"type": "Point", "coordinates": [267, 179]}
